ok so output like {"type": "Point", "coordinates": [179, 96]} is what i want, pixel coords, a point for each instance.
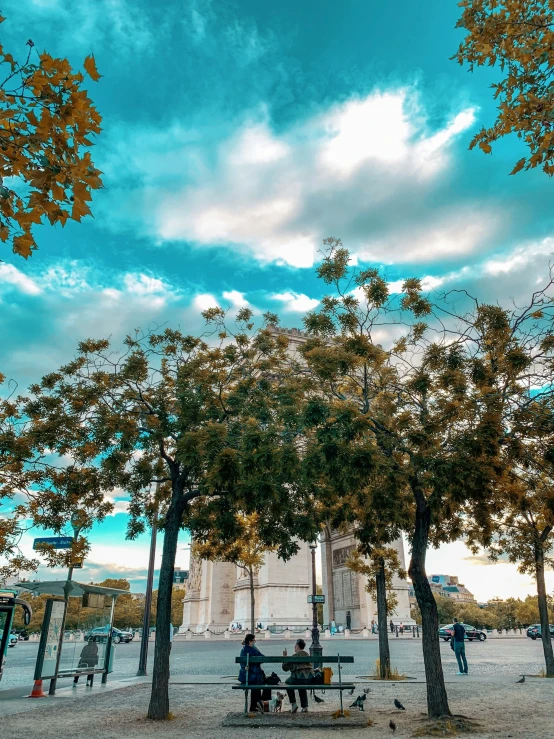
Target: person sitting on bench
{"type": "Point", "coordinates": [255, 675]}
{"type": "Point", "coordinates": [300, 673]}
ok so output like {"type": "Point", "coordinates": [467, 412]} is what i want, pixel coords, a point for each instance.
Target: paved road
{"type": "Point", "coordinates": [495, 656]}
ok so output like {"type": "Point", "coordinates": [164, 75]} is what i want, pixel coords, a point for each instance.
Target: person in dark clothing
{"type": "Point", "coordinates": [300, 673]}
{"type": "Point", "coordinates": [391, 627]}
{"type": "Point", "coordinates": [255, 675]}
{"type": "Point", "coordinates": [88, 658]}
{"type": "Point", "coordinates": [459, 646]}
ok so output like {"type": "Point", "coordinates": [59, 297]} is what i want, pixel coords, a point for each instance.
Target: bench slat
{"type": "Point", "coordinates": [333, 686]}
{"type": "Point", "coordinates": [277, 660]}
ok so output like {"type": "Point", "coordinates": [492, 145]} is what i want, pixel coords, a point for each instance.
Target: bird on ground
{"type": "Point", "coordinates": [518, 682]}
{"type": "Point", "coordinates": [399, 705]}
{"type": "Point", "coordinates": [359, 702]}
{"type": "Point", "coordinates": [367, 690]}
{"type": "Point", "coordinates": [351, 691]}
{"type": "Point", "coordinates": [392, 726]}
{"type": "Point", "coordinates": [317, 699]}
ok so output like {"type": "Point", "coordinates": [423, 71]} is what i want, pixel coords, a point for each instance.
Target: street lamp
{"type": "Point", "coordinates": [148, 597]}
{"type": "Point", "coordinates": [316, 650]}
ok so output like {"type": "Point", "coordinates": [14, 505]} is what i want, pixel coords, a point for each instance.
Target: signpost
{"type": "Point", "coordinates": [316, 599]}
{"type": "Point", "coordinates": [58, 542]}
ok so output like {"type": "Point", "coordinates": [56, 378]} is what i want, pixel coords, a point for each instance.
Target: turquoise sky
{"type": "Point", "coordinates": [236, 137]}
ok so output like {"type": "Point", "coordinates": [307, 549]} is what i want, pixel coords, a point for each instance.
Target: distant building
{"type": "Point", "coordinates": [452, 588]}
{"type": "Point", "coordinates": [446, 586]}
{"type": "Point", "coordinates": [180, 578]}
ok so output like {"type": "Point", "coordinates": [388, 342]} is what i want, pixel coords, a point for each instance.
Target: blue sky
{"type": "Point", "coordinates": [236, 137]}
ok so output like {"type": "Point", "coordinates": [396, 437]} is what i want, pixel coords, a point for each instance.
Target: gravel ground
{"type": "Point", "coordinates": [206, 657]}
{"type": "Point", "coordinates": [500, 709]}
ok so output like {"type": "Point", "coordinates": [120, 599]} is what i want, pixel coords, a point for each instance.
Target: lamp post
{"type": "Point", "coordinates": [316, 650]}
{"type": "Point", "coordinates": [148, 597]}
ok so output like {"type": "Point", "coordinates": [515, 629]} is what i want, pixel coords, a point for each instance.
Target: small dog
{"type": "Point", "coordinates": [274, 705]}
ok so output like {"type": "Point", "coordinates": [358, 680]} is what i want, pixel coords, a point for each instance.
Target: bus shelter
{"type": "Point", "coordinates": [91, 608]}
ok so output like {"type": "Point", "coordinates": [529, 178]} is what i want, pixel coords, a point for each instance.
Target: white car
{"type": "Point", "coordinates": [13, 639]}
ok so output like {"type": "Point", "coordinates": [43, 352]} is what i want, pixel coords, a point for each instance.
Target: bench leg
{"type": "Point", "coordinates": [245, 702]}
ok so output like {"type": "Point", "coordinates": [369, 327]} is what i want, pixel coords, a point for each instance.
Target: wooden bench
{"type": "Point", "coordinates": [337, 660]}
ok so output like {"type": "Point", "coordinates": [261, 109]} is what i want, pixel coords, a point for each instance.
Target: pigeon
{"type": "Point", "coordinates": [392, 726]}
{"type": "Point", "coordinates": [367, 690]}
{"type": "Point", "coordinates": [518, 682]}
{"type": "Point", "coordinates": [359, 702]}
{"type": "Point", "coordinates": [351, 691]}
{"type": "Point", "coordinates": [318, 700]}
{"type": "Point", "coordinates": [399, 705]}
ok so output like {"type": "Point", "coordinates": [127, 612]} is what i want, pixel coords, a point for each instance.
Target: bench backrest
{"type": "Point", "coordinates": [293, 659]}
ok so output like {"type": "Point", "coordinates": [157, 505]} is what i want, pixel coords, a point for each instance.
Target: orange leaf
{"type": "Point", "coordinates": [23, 245]}
{"type": "Point", "coordinates": [4, 233]}
{"type": "Point", "coordinates": [519, 166]}
{"type": "Point", "coordinates": [90, 67]}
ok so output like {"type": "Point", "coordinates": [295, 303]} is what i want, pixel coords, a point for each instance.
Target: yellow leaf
{"type": "Point", "coordinates": [485, 147]}
{"type": "Point", "coordinates": [519, 166]}
{"type": "Point", "coordinates": [23, 245]}
{"type": "Point", "coordinates": [90, 67]}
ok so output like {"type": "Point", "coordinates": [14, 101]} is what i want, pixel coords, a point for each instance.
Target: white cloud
{"type": "Point", "coordinates": [10, 275]}
{"type": "Point", "coordinates": [236, 299]}
{"type": "Point", "coordinates": [296, 302]}
{"type": "Point", "coordinates": [277, 195]}
{"type": "Point", "coordinates": [205, 301]}
{"type": "Point", "coordinates": [519, 257]}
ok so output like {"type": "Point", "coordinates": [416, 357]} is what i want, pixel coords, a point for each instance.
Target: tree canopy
{"type": "Point", "coordinates": [46, 123]}
{"type": "Point", "coordinates": [517, 37]}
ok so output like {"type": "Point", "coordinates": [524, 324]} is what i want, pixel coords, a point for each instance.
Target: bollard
{"type": "Point", "coordinates": [207, 634]}
{"type": "Point", "coordinates": [227, 634]}
{"type": "Point", "coordinates": [347, 633]}
{"type": "Point", "coordinates": [327, 634]}
{"type": "Point", "coordinates": [418, 632]}
{"type": "Point", "coordinates": [397, 631]}
{"type": "Point", "coordinates": [413, 632]}
{"type": "Point", "coordinates": [307, 633]}
{"type": "Point", "coordinates": [365, 632]}
{"type": "Point", "coordinates": [267, 634]}
{"type": "Point", "coordinates": [287, 634]}
{"type": "Point", "coordinates": [188, 635]}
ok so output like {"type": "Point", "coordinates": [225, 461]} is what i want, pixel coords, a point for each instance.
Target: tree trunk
{"type": "Point", "coordinates": [159, 697]}
{"type": "Point", "coordinates": [252, 601]}
{"type": "Point", "coordinates": [384, 652]}
{"type": "Point", "coordinates": [543, 610]}
{"type": "Point", "coordinates": [437, 700]}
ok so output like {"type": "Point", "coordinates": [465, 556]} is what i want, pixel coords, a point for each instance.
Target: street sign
{"type": "Point", "coordinates": [316, 599]}
{"type": "Point", "coordinates": [77, 565]}
{"type": "Point", "coordinates": [58, 542]}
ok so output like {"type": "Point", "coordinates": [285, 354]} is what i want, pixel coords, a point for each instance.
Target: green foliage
{"type": "Point", "coordinates": [517, 37]}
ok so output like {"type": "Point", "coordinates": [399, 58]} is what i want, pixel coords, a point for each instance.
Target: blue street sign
{"type": "Point", "coordinates": [58, 542]}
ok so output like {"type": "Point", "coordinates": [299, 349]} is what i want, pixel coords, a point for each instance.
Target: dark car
{"type": "Point", "coordinates": [534, 631]}
{"type": "Point", "coordinates": [445, 632]}
{"type": "Point", "coordinates": [101, 634]}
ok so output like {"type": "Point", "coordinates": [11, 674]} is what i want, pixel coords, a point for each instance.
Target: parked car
{"type": "Point", "coordinates": [534, 631]}
{"type": "Point", "coordinates": [445, 632]}
{"type": "Point", "coordinates": [12, 640]}
{"type": "Point", "coordinates": [101, 634]}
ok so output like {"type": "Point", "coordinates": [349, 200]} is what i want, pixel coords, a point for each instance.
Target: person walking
{"type": "Point", "coordinates": [459, 646]}
{"type": "Point", "coordinates": [300, 673]}
{"type": "Point", "coordinates": [255, 675]}
{"type": "Point", "coordinates": [372, 626]}
{"type": "Point", "coordinates": [391, 627]}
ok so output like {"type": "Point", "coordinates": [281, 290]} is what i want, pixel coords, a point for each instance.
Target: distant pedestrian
{"type": "Point", "coordinates": [348, 620]}
{"type": "Point", "coordinates": [170, 636]}
{"type": "Point", "coordinates": [391, 627]}
{"type": "Point", "coordinates": [459, 647]}
{"type": "Point", "coordinates": [372, 626]}
{"type": "Point", "coordinates": [401, 627]}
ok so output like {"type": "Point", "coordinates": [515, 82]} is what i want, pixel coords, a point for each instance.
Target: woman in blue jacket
{"type": "Point", "coordinates": [255, 675]}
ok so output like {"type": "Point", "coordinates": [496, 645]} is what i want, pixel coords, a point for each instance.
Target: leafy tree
{"type": "Point", "coordinates": [523, 527]}
{"type": "Point", "coordinates": [212, 425]}
{"type": "Point", "coordinates": [46, 119]}
{"type": "Point", "coordinates": [518, 37]}
{"type": "Point", "coordinates": [426, 416]}
{"type": "Point", "coordinates": [380, 567]}
{"type": "Point", "coordinates": [447, 609]}
{"type": "Point", "coordinates": [247, 552]}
